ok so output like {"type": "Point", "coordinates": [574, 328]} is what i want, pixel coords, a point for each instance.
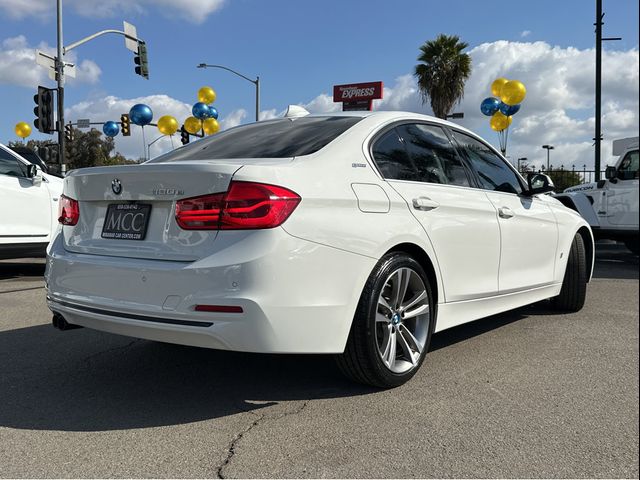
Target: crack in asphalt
{"type": "Point", "coordinates": [231, 450]}
{"type": "Point", "coordinates": [109, 350]}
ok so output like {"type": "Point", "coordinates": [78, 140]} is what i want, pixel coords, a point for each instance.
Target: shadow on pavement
{"type": "Point", "coordinates": [21, 269]}
{"type": "Point", "coordinates": [615, 262]}
{"type": "Point", "coordinates": [84, 380]}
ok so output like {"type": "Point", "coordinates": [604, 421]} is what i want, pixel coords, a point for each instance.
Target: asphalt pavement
{"type": "Point", "coordinates": [529, 393]}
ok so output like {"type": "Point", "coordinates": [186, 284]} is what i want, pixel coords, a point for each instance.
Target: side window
{"type": "Point", "coordinates": [493, 172]}
{"type": "Point", "coordinates": [433, 155]}
{"type": "Point", "coordinates": [9, 165]}
{"type": "Point", "coordinates": [629, 166]}
{"type": "Point", "coordinates": [392, 159]}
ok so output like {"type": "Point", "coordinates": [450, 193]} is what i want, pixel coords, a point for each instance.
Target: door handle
{"type": "Point", "coordinates": [424, 203]}
{"type": "Point", "coordinates": [505, 212]}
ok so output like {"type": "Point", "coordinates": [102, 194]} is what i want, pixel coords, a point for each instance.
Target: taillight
{"type": "Point", "coordinates": [247, 205]}
{"type": "Point", "coordinates": [199, 213]}
{"type": "Point", "coordinates": [68, 211]}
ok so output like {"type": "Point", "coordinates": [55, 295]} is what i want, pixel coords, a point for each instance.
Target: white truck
{"type": "Point", "coordinates": [611, 205]}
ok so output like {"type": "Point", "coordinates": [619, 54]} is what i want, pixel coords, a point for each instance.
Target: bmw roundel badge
{"type": "Point", "coordinates": [116, 186]}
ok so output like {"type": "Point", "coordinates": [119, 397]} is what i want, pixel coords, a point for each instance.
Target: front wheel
{"type": "Point", "coordinates": [392, 326]}
{"type": "Point", "coordinates": [574, 285]}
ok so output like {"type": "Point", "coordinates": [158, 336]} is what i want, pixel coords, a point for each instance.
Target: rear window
{"type": "Point", "coordinates": [288, 137]}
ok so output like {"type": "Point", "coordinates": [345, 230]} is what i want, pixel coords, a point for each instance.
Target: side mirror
{"type": "Point", "coordinates": [539, 183]}
{"type": "Point", "coordinates": [610, 173]}
{"type": "Point", "coordinates": [34, 173]}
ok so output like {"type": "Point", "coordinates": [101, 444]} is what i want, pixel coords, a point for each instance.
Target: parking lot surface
{"type": "Point", "coordinates": [528, 393]}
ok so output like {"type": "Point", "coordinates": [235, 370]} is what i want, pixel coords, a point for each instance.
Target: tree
{"type": "Point", "coordinates": [564, 178]}
{"type": "Point", "coordinates": [87, 149]}
{"type": "Point", "coordinates": [443, 72]}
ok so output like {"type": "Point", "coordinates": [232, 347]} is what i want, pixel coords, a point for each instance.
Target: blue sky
{"type": "Point", "coordinates": [299, 48]}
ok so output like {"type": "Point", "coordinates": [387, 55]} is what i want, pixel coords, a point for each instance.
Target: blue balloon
{"type": "Point", "coordinates": [200, 110]}
{"type": "Point", "coordinates": [110, 128]}
{"type": "Point", "coordinates": [489, 106]}
{"type": "Point", "coordinates": [141, 114]}
{"type": "Point", "coordinates": [213, 112]}
{"type": "Point", "coordinates": [509, 110]}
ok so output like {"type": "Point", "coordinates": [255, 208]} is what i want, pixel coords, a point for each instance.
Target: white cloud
{"type": "Point", "coordinates": [195, 11]}
{"type": "Point", "coordinates": [559, 105]}
{"type": "Point", "coordinates": [525, 33]}
{"type": "Point", "coordinates": [18, 64]}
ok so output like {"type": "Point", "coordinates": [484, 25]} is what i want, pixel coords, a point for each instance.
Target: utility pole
{"type": "Point", "coordinates": [598, 134]}
{"type": "Point", "coordinates": [60, 78]}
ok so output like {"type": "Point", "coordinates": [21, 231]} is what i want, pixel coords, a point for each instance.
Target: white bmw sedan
{"type": "Point", "coordinates": [357, 234]}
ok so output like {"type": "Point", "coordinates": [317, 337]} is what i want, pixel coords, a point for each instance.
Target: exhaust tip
{"type": "Point", "coordinates": [59, 322]}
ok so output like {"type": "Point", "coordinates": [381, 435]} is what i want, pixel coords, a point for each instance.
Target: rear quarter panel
{"type": "Point", "coordinates": [329, 213]}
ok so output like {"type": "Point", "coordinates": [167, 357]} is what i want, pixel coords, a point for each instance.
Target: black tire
{"type": "Point", "coordinates": [574, 286]}
{"type": "Point", "coordinates": [633, 244]}
{"type": "Point", "coordinates": [361, 360]}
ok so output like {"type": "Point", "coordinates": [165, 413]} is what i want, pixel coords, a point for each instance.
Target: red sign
{"type": "Point", "coordinates": [357, 91]}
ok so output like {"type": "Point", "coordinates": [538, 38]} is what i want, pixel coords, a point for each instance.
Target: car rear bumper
{"type": "Point", "coordinates": [296, 296]}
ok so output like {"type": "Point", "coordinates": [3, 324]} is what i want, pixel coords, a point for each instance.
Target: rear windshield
{"type": "Point", "coordinates": [287, 137]}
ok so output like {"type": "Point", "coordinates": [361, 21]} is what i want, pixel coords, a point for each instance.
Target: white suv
{"type": "Point", "coordinates": [29, 206]}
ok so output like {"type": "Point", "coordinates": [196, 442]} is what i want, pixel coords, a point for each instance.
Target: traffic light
{"type": "Point", "coordinates": [68, 132]}
{"type": "Point", "coordinates": [125, 125]}
{"type": "Point", "coordinates": [184, 136]}
{"type": "Point", "coordinates": [141, 61]}
{"type": "Point", "coordinates": [44, 110]}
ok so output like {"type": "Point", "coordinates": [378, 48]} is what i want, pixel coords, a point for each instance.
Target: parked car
{"type": "Point", "coordinates": [357, 234]}
{"type": "Point", "coordinates": [29, 199]}
{"type": "Point", "coordinates": [611, 205]}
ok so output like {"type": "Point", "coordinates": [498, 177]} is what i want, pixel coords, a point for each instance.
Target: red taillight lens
{"type": "Point", "coordinates": [199, 213]}
{"type": "Point", "coordinates": [247, 205]}
{"type": "Point", "coordinates": [68, 211]}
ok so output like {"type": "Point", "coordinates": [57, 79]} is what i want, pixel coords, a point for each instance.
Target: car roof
{"type": "Point", "coordinates": [384, 116]}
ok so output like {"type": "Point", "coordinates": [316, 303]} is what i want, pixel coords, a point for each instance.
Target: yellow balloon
{"type": "Point", "coordinates": [206, 95]}
{"type": "Point", "coordinates": [499, 121]}
{"type": "Point", "coordinates": [22, 129]}
{"type": "Point", "coordinates": [513, 92]}
{"type": "Point", "coordinates": [192, 125]}
{"type": "Point", "coordinates": [167, 125]}
{"type": "Point", "coordinates": [210, 126]}
{"type": "Point", "coordinates": [496, 86]}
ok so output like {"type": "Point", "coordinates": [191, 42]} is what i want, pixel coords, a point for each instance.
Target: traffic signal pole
{"type": "Point", "coordinates": [60, 78]}
{"type": "Point", "coordinates": [59, 69]}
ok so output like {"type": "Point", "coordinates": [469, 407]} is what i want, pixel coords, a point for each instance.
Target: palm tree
{"type": "Point", "coordinates": [443, 72]}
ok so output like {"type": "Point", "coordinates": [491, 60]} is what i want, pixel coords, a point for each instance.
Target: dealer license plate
{"type": "Point", "coordinates": [126, 221]}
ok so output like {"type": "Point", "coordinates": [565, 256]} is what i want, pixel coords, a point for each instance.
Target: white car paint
{"type": "Point", "coordinates": [299, 284]}
{"type": "Point", "coordinates": [28, 216]}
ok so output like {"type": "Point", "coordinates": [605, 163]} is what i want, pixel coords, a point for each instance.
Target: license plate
{"type": "Point", "coordinates": [126, 221]}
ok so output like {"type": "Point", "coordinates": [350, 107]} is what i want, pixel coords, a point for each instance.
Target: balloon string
{"type": "Point", "coordinates": [172, 145]}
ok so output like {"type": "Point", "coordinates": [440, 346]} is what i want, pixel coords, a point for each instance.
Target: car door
{"type": "Point", "coordinates": [418, 160]}
{"type": "Point", "coordinates": [528, 228]}
{"type": "Point", "coordinates": [622, 194]}
{"type": "Point", "coordinates": [25, 215]}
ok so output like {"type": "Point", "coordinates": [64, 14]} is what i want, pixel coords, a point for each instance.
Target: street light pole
{"type": "Point", "coordinates": [59, 64]}
{"type": "Point", "coordinates": [256, 82]}
{"type": "Point", "coordinates": [598, 123]}
{"type": "Point", "coordinates": [548, 147]}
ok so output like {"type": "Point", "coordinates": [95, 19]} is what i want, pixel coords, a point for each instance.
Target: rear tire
{"type": "Point", "coordinates": [574, 285]}
{"type": "Point", "coordinates": [393, 324]}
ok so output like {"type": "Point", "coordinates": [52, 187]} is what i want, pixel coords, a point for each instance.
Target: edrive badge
{"type": "Point", "coordinates": [116, 186]}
